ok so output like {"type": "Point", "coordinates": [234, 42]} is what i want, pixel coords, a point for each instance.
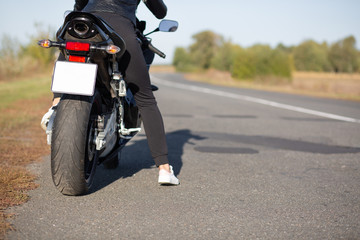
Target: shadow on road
{"type": "Point", "coordinates": [276, 143]}
{"type": "Point", "coordinates": [136, 156]}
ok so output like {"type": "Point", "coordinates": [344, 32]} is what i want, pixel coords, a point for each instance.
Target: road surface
{"type": "Point", "coordinates": [252, 165]}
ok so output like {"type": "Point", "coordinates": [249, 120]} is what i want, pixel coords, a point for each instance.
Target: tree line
{"type": "Point", "coordinates": [18, 59]}
{"type": "Point", "coordinates": [210, 50]}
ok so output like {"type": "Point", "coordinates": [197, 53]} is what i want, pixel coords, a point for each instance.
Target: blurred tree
{"type": "Point", "coordinates": [182, 60]}
{"type": "Point", "coordinates": [344, 56]}
{"type": "Point", "coordinates": [263, 59]}
{"type": "Point", "coordinates": [9, 57]}
{"type": "Point", "coordinates": [9, 47]}
{"type": "Point", "coordinates": [244, 66]}
{"type": "Point", "coordinates": [311, 56]}
{"type": "Point", "coordinates": [261, 62]}
{"type": "Point", "coordinates": [17, 59]}
{"type": "Point", "coordinates": [43, 55]}
{"type": "Point", "coordinates": [281, 47]}
{"type": "Point", "coordinates": [205, 47]}
{"type": "Point", "coordinates": [225, 55]}
{"type": "Point", "coordinates": [282, 64]}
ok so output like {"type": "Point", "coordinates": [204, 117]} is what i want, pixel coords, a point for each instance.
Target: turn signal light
{"type": "Point", "coordinates": [112, 49]}
{"type": "Point", "coordinates": [45, 43]}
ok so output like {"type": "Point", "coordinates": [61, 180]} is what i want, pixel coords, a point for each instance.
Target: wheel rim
{"type": "Point", "coordinates": [91, 154]}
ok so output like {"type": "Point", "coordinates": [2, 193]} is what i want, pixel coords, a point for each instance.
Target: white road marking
{"type": "Point", "coordinates": [254, 100]}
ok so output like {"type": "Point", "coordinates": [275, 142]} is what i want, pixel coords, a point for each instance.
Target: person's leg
{"type": "Point", "coordinates": [137, 77]}
{"type": "Point", "coordinates": [55, 101]}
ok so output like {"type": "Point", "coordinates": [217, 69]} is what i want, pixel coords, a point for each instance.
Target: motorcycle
{"type": "Point", "coordinates": [97, 114]}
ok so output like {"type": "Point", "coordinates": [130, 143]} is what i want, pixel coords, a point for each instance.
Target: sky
{"type": "Point", "coordinates": [245, 23]}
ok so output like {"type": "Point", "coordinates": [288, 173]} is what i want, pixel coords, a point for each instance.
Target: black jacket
{"type": "Point", "coordinates": [125, 8]}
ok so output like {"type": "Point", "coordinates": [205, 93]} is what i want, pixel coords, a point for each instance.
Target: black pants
{"type": "Point", "coordinates": [137, 77]}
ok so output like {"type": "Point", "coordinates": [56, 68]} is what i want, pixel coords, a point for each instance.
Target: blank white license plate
{"type": "Point", "coordinates": [74, 78]}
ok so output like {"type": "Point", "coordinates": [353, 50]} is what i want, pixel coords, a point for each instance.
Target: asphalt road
{"type": "Point", "coordinates": [252, 165]}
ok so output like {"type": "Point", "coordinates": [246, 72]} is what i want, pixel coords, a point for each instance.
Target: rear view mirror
{"type": "Point", "coordinates": [168, 26]}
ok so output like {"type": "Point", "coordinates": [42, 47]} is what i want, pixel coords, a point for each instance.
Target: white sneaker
{"type": "Point", "coordinates": [45, 119]}
{"type": "Point", "coordinates": [166, 178]}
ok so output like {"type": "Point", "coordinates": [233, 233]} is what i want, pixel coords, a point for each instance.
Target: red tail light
{"type": "Point", "coordinates": [77, 46]}
{"type": "Point", "coordinates": [76, 59]}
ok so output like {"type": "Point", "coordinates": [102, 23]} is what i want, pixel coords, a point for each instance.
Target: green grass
{"type": "Point", "coordinates": [31, 88]}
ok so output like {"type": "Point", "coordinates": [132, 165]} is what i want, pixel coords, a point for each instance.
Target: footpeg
{"type": "Point", "coordinates": [122, 88]}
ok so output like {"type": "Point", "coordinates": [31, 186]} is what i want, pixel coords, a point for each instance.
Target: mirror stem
{"type": "Point", "coordinates": [156, 30]}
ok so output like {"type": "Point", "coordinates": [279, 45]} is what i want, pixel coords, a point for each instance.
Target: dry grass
{"type": "Point", "coordinates": [331, 85]}
{"type": "Point", "coordinates": [346, 86]}
{"type": "Point", "coordinates": [22, 142]}
{"type": "Point", "coordinates": [162, 68]}
{"type": "Point", "coordinates": [12, 68]}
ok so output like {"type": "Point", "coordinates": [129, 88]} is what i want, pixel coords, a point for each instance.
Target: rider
{"type": "Point", "coordinates": [120, 14]}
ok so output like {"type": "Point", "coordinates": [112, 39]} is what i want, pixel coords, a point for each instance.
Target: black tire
{"type": "Point", "coordinates": [73, 152]}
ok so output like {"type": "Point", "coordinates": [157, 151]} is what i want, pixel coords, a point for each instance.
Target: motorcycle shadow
{"type": "Point", "coordinates": [136, 156]}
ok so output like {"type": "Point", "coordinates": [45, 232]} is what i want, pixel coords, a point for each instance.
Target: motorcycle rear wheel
{"type": "Point", "coordinates": [73, 152]}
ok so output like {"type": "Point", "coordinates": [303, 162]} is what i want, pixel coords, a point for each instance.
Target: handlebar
{"type": "Point", "coordinates": [155, 50]}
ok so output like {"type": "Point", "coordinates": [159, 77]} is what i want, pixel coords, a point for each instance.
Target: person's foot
{"type": "Point", "coordinates": [168, 178]}
{"type": "Point", "coordinates": [45, 119]}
